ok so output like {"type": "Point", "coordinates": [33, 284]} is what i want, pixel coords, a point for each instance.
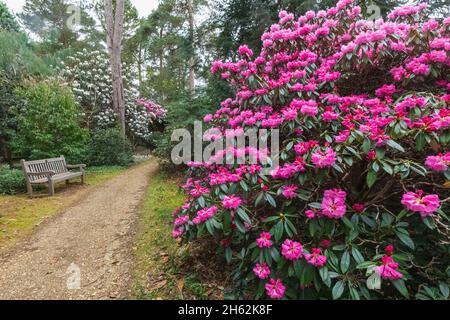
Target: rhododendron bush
{"type": "Point", "coordinates": [358, 207]}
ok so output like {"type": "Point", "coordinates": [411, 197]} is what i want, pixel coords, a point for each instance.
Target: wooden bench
{"type": "Point", "coordinates": [50, 171]}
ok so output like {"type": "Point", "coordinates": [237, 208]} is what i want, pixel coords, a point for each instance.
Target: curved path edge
{"type": "Point", "coordinates": [85, 251]}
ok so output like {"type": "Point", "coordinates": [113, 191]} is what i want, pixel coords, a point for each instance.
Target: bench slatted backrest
{"type": "Point", "coordinates": [58, 165]}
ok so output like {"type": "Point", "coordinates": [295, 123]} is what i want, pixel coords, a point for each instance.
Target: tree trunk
{"type": "Point", "coordinates": [161, 52]}
{"type": "Point", "coordinates": [140, 62]}
{"type": "Point", "coordinates": [192, 53]}
{"type": "Point", "coordinates": [3, 152]}
{"type": "Point", "coordinates": [161, 62]}
{"type": "Point", "coordinates": [114, 34]}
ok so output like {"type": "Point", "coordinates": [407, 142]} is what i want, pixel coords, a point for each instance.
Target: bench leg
{"type": "Point", "coordinates": [67, 182]}
{"type": "Point", "coordinates": [51, 188]}
{"type": "Point", "coordinates": [30, 189]}
{"type": "Point", "coordinates": [82, 179]}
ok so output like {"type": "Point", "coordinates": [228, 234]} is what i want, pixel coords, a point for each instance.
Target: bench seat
{"type": "Point", "coordinates": [59, 177]}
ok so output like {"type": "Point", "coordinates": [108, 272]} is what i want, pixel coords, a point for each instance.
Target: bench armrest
{"type": "Point", "coordinates": [76, 166]}
{"type": "Point", "coordinates": [45, 173]}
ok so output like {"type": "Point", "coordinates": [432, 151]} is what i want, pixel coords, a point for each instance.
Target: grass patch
{"type": "Point", "coordinates": [96, 175]}
{"type": "Point", "coordinates": [166, 269]}
{"type": "Point", "coordinates": [19, 214]}
{"type": "Point", "coordinates": [155, 246]}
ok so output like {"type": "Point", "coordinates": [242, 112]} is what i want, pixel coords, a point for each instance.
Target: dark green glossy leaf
{"type": "Point", "coordinates": [371, 178]}
{"type": "Point", "coordinates": [338, 290]}
{"type": "Point", "coordinates": [345, 262]}
{"type": "Point", "coordinates": [401, 287]}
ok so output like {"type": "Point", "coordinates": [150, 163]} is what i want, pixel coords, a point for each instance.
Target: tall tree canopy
{"type": "Point", "coordinates": [60, 24]}
{"type": "Point", "coordinates": [7, 21]}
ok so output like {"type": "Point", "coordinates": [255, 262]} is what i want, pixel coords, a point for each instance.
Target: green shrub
{"type": "Point", "coordinates": [7, 20]}
{"type": "Point", "coordinates": [47, 123]}
{"type": "Point", "coordinates": [12, 181]}
{"type": "Point", "coordinates": [181, 114]}
{"type": "Point", "coordinates": [17, 61]}
{"type": "Point", "coordinates": [109, 147]}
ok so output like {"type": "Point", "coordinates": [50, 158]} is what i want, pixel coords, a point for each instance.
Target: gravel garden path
{"type": "Point", "coordinates": [85, 251]}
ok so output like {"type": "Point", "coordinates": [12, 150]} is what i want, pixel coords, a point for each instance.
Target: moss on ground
{"type": "Point", "coordinates": [19, 214]}
{"type": "Point", "coordinates": [164, 267]}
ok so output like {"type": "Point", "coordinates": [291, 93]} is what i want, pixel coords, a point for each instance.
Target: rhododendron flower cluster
{"type": "Point", "coordinates": [361, 111]}
{"type": "Point", "coordinates": [154, 110]}
{"type": "Point", "coordinates": [231, 202]}
{"type": "Point", "coordinates": [289, 191]}
{"type": "Point", "coordinates": [333, 204]}
{"type": "Point", "coordinates": [316, 258]}
{"type": "Point", "coordinates": [424, 204]}
{"type": "Point", "coordinates": [205, 214]}
{"type": "Point", "coordinates": [438, 163]}
{"type": "Point", "coordinates": [264, 240]}
{"type": "Point", "coordinates": [261, 271]}
{"type": "Point", "coordinates": [275, 289]}
{"type": "Point", "coordinates": [324, 159]}
{"type": "Point", "coordinates": [388, 270]}
{"type": "Point", "coordinates": [292, 250]}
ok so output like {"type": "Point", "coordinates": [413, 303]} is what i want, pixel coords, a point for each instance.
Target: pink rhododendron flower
{"type": "Point", "coordinates": [398, 73]}
{"type": "Point", "coordinates": [342, 137]}
{"type": "Point", "coordinates": [289, 191]}
{"type": "Point", "coordinates": [291, 250]}
{"type": "Point", "coordinates": [264, 240]}
{"type": "Point", "coordinates": [289, 114]}
{"type": "Point", "coordinates": [389, 250]}
{"type": "Point", "coordinates": [198, 191]}
{"type": "Point", "coordinates": [275, 289]}
{"type": "Point", "coordinates": [181, 220]}
{"type": "Point", "coordinates": [225, 242]}
{"type": "Point", "coordinates": [154, 110]}
{"type": "Point", "coordinates": [310, 214]}
{"type": "Point", "coordinates": [371, 155]}
{"type": "Point", "coordinates": [297, 87]}
{"type": "Point", "coordinates": [389, 269]}
{"type": "Point", "coordinates": [315, 258]}
{"type": "Point", "coordinates": [438, 163]}
{"type": "Point", "coordinates": [385, 90]}
{"type": "Point", "coordinates": [194, 164]}
{"type": "Point", "coordinates": [177, 233]}
{"type": "Point", "coordinates": [301, 148]}
{"type": "Point", "coordinates": [285, 17]}
{"type": "Point", "coordinates": [324, 159]}
{"type": "Point", "coordinates": [333, 204]}
{"type": "Point", "coordinates": [358, 207]}
{"type": "Point", "coordinates": [417, 202]}
{"type": "Point", "coordinates": [231, 202]}
{"type": "Point", "coordinates": [329, 115]}
{"type": "Point", "coordinates": [245, 50]}
{"type": "Point", "coordinates": [205, 214]}
{"type": "Point", "coordinates": [245, 94]}
{"type": "Point", "coordinates": [309, 107]}
{"type": "Point", "coordinates": [261, 271]}
{"type": "Point", "coordinates": [288, 170]}
{"type": "Point", "coordinates": [208, 118]}
{"type": "Point", "coordinates": [406, 10]}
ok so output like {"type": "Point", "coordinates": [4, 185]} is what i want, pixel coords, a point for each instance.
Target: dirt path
{"type": "Point", "coordinates": [90, 242]}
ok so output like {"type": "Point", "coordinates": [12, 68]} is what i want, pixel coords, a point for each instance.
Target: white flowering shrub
{"type": "Point", "coordinates": [138, 122]}
{"type": "Point", "coordinates": [88, 72]}
{"type": "Point", "coordinates": [89, 75]}
{"type": "Point", "coordinates": [106, 118]}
